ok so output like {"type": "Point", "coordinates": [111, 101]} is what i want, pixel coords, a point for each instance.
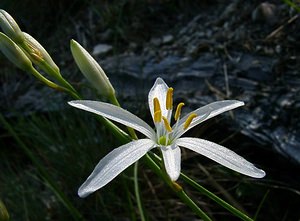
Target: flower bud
{"type": "Point", "coordinates": [38, 54]}
{"type": "Point", "coordinates": [15, 54]}
{"type": "Point", "coordinates": [91, 70]}
{"type": "Point", "coordinates": [10, 27]}
{"type": "Point", "coordinates": [4, 216]}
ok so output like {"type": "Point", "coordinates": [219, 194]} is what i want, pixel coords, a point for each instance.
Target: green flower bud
{"type": "Point", "coordinates": [4, 216]}
{"type": "Point", "coordinates": [38, 54]}
{"type": "Point", "coordinates": [91, 70]}
{"type": "Point", "coordinates": [15, 54]}
{"type": "Point", "coordinates": [10, 27]}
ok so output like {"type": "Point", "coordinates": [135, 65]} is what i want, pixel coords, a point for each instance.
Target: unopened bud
{"type": "Point", "coordinates": [10, 27]}
{"type": "Point", "coordinates": [91, 70]}
{"type": "Point", "coordinates": [4, 216]}
{"type": "Point", "coordinates": [12, 51]}
{"type": "Point", "coordinates": [38, 54]}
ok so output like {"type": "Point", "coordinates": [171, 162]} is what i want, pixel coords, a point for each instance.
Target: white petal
{"type": "Point", "coordinates": [158, 90]}
{"type": "Point", "coordinates": [172, 160]}
{"type": "Point", "coordinates": [115, 113]}
{"type": "Point", "coordinates": [113, 164]}
{"type": "Point", "coordinates": [222, 155]}
{"type": "Point", "coordinates": [213, 109]}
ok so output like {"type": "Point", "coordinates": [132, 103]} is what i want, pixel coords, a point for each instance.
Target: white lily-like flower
{"type": "Point", "coordinates": [166, 138]}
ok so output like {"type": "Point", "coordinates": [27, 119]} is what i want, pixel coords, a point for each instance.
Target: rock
{"type": "Point", "coordinates": [167, 39]}
{"type": "Point", "coordinates": [155, 41]}
{"type": "Point", "coordinates": [101, 49]}
{"type": "Point", "coordinates": [265, 12]}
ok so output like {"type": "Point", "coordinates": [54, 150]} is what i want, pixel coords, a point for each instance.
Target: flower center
{"type": "Point", "coordinates": [165, 133]}
{"type": "Point", "coordinates": [164, 141]}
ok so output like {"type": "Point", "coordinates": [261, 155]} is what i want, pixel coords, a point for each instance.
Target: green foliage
{"type": "Point", "coordinates": [69, 148]}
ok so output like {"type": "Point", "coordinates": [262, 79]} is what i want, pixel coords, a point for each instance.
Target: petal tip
{"type": "Point", "coordinates": [71, 102]}
{"type": "Point", "coordinates": [260, 174]}
{"type": "Point", "coordinates": [241, 103]}
{"type": "Point", "coordinates": [159, 81]}
{"type": "Point", "coordinates": [174, 176]}
{"type": "Point", "coordinates": [84, 191]}
{"type": "Point", "coordinates": [75, 102]}
{"type": "Point", "coordinates": [256, 173]}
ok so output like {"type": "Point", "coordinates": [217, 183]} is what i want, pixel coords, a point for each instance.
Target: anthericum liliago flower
{"type": "Point", "coordinates": [168, 139]}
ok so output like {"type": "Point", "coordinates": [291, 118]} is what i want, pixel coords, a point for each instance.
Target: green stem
{"type": "Point", "coordinates": [58, 77]}
{"type": "Point", "coordinates": [292, 4]}
{"type": "Point", "coordinates": [137, 192]}
{"type": "Point", "coordinates": [176, 188]}
{"type": "Point", "coordinates": [261, 204]}
{"type": "Point", "coordinates": [59, 194]}
{"type": "Point", "coordinates": [75, 95]}
{"type": "Point", "coordinates": [209, 194]}
{"type": "Point", "coordinates": [45, 80]}
{"type": "Point", "coordinates": [129, 206]}
{"type": "Point", "coordinates": [113, 99]}
{"type": "Point", "coordinates": [215, 198]}
{"type": "Point", "coordinates": [188, 201]}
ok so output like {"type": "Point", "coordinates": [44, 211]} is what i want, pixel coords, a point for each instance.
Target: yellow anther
{"type": "Point", "coordinates": [178, 111]}
{"type": "Point", "coordinates": [167, 125]}
{"type": "Point", "coordinates": [157, 117]}
{"type": "Point", "coordinates": [169, 100]}
{"type": "Point", "coordinates": [189, 120]}
{"type": "Point", "coordinates": [156, 105]}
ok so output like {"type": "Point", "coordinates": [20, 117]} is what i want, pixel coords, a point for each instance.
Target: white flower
{"type": "Point", "coordinates": [165, 137]}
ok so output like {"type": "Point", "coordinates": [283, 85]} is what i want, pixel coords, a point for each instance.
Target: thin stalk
{"type": "Point", "coordinates": [261, 204]}
{"type": "Point", "coordinates": [210, 195]}
{"type": "Point", "coordinates": [113, 99]}
{"type": "Point", "coordinates": [137, 192]}
{"type": "Point", "coordinates": [176, 188]}
{"type": "Point", "coordinates": [292, 4]}
{"type": "Point", "coordinates": [188, 201]}
{"type": "Point", "coordinates": [45, 80]}
{"type": "Point", "coordinates": [59, 194]}
{"type": "Point", "coordinates": [58, 77]}
{"type": "Point", "coordinates": [215, 198]}
{"type": "Point", "coordinates": [161, 172]}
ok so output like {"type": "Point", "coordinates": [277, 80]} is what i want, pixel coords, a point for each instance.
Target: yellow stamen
{"type": "Point", "coordinates": [157, 117]}
{"type": "Point", "coordinates": [167, 125]}
{"type": "Point", "coordinates": [178, 111]}
{"type": "Point", "coordinates": [189, 120]}
{"type": "Point", "coordinates": [156, 105]}
{"type": "Point", "coordinates": [169, 100]}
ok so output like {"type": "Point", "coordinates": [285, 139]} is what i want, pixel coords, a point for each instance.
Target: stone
{"type": "Point", "coordinates": [167, 39]}
{"type": "Point", "coordinates": [101, 49]}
